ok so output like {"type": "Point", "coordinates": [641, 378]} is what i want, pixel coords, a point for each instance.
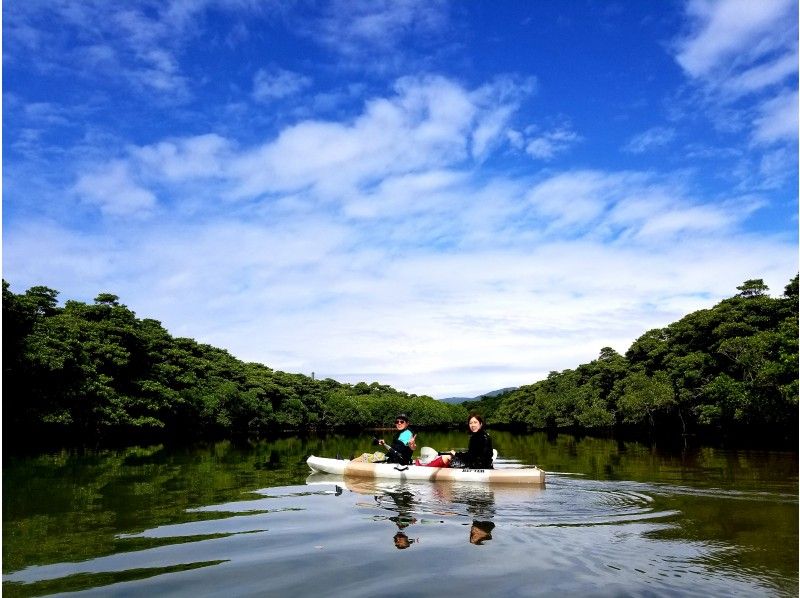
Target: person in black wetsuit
{"type": "Point", "coordinates": [479, 454]}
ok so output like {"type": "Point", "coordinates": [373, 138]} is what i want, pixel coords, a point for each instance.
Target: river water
{"type": "Point", "coordinates": [614, 519]}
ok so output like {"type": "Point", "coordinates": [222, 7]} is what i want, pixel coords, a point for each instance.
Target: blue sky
{"type": "Point", "coordinates": [448, 197]}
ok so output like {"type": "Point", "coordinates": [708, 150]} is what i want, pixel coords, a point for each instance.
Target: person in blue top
{"type": "Point", "coordinates": [403, 444]}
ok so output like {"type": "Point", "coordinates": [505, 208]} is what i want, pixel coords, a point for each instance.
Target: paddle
{"type": "Point", "coordinates": [389, 450]}
{"type": "Point", "coordinates": [427, 453]}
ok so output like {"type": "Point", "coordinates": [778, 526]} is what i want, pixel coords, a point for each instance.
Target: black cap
{"type": "Point", "coordinates": [402, 416]}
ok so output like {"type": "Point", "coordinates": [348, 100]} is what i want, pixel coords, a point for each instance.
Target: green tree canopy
{"type": "Point", "coordinates": [731, 367]}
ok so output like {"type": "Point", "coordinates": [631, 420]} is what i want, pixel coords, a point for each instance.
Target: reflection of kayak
{"type": "Point", "coordinates": [523, 475]}
{"type": "Point", "coordinates": [459, 492]}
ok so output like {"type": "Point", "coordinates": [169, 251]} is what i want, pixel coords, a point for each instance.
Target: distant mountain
{"type": "Point", "coordinates": [494, 393]}
{"type": "Point", "coordinates": [455, 400]}
{"type": "Point", "coordinates": [497, 393]}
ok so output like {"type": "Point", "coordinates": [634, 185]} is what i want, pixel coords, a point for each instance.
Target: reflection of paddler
{"type": "Point", "coordinates": [403, 521]}
{"type": "Point", "coordinates": [480, 532]}
{"type": "Point", "coordinates": [402, 541]}
{"type": "Point", "coordinates": [403, 504]}
{"type": "Point", "coordinates": [478, 498]}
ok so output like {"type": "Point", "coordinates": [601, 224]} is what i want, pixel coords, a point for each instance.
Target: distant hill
{"type": "Point", "coordinates": [494, 393]}
{"type": "Point", "coordinates": [455, 400]}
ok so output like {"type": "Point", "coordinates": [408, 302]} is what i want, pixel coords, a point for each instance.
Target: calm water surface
{"type": "Point", "coordinates": [615, 519]}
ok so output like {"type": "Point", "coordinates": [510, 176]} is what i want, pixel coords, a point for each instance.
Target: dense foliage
{"type": "Point", "coordinates": [725, 370]}
{"type": "Point", "coordinates": [97, 372]}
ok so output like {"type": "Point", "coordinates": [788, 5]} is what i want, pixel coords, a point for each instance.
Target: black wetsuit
{"type": "Point", "coordinates": [479, 454]}
{"type": "Point", "coordinates": [401, 452]}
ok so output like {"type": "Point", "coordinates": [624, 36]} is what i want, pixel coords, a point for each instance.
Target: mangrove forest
{"type": "Point", "coordinates": [81, 373]}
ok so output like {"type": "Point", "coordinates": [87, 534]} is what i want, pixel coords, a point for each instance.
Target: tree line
{"type": "Point", "coordinates": [96, 372]}
{"type": "Point", "coordinates": [720, 372]}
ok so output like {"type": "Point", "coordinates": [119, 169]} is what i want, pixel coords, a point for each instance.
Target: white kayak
{"type": "Point", "coordinates": [343, 467]}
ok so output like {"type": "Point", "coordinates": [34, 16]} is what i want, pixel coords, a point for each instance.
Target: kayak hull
{"type": "Point", "coordinates": [525, 475]}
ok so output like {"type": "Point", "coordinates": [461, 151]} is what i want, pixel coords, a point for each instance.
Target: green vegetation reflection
{"type": "Point", "coordinates": [86, 581]}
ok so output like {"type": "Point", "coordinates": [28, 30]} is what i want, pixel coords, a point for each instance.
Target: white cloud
{"type": "Point", "coordinates": [687, 219]}
{"type": "Point", "coordinates": [629, 205]}
{"type": "Point", "coordinates": [379, 300]}
{"type": "Point", "coordinates": [407, 320]}
{"type": "Point", "coordinates": [654, 138]}
{"type": "Point", "coordinates": [547, 145]}
{"type": "Point", "coordinates": [427, 191]}
{"type": "Point", "coordinates": [115, 192]}
{"type": "Point", "coordinates": [300, 296]}
{"type": "Point", "coordinates": [489, 131]}
{"type": "Point", "coordinates": [574, 198]}
{"type": "Point", "coordinates": [730, 32]}
{"type": "Point", "coordinates": [762, 76]}
{"type": "Point", "coordinates": [278, 83]}
{"type": "Point", "coordinates": [377, 28]}
{"type": "Point", "coordinates": [777, 120]}
{"type": "Point", "coordinates": [46, 112]}
{"type": "Point", "coordinates": [742, 56]}
{"type": "Point", "coordinates": [375, 248]}
{"type": "Point", "coordinates": [776, 167]}
{"type": "Point", "coordinates": [429, 123]}
{"type": "Point", "coordinates": [137, 43]}
{"type": "Point", "coordinates": [71, 257]}
{"type": "Point", "coordinates": [200, 157]}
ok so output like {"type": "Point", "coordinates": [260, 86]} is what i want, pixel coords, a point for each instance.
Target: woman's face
{"type": "Point", "coordinates": [400, 424]}
{"type": "Point", "coordinates": [474, 424]}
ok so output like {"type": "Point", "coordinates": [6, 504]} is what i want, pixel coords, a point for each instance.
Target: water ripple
{"type": "Point", "coordinates": [611, 537]}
